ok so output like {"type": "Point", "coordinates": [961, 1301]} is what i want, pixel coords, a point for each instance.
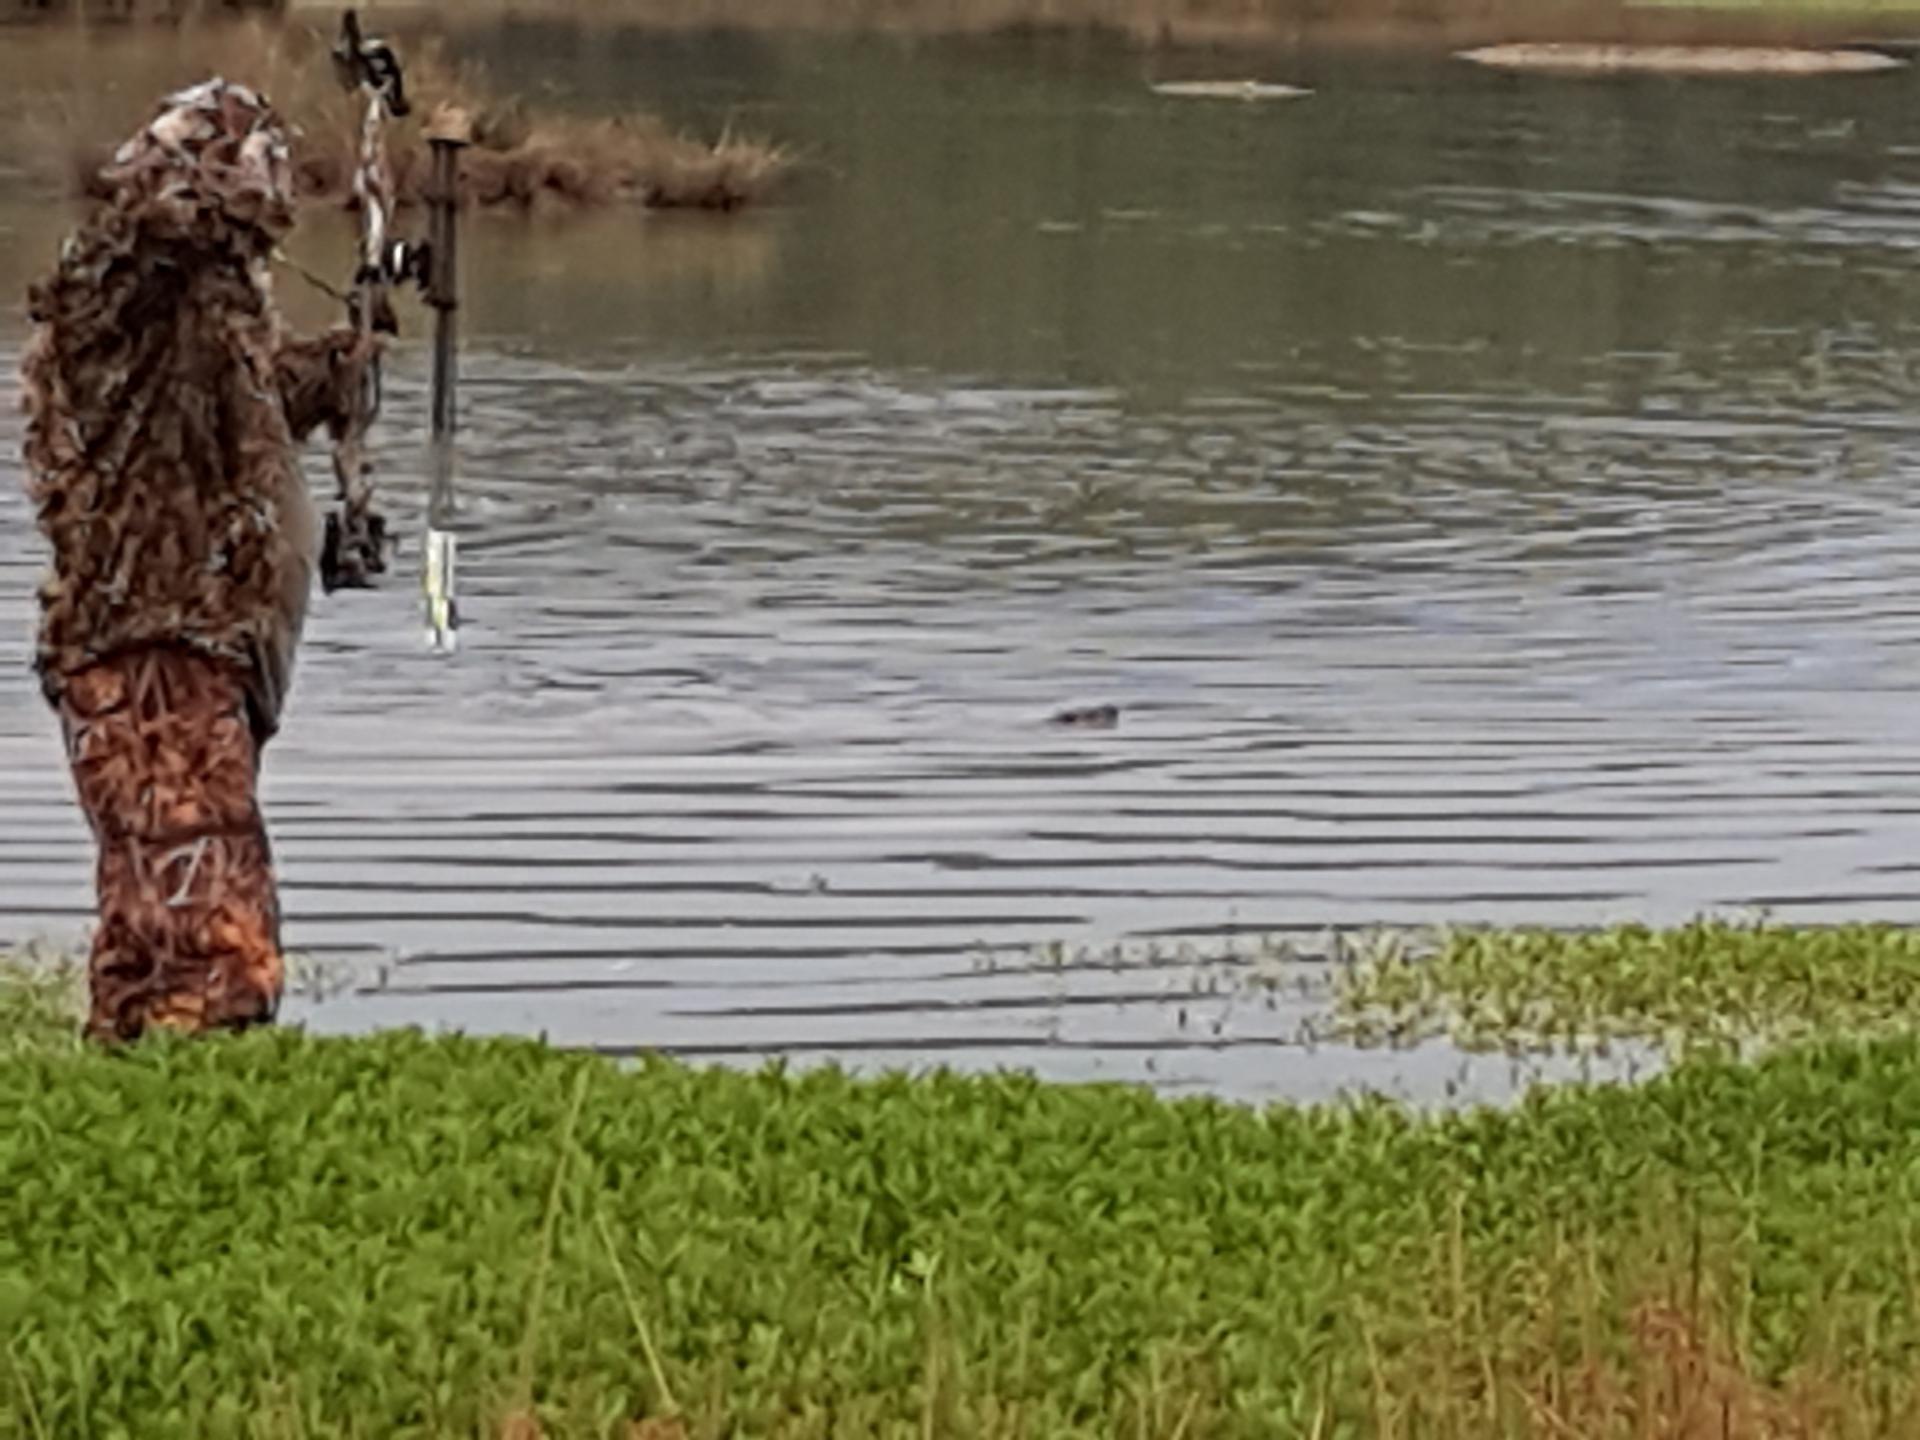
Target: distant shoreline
{"type": "Point", "coordinates": [1412, 25]}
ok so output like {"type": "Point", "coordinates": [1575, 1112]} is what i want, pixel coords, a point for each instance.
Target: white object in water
{"type": "Point", "coordinates": [1229, 90]}
{"type": "Point", "coordinates": [1574, 59]}
{"type": "Point", "coordinates": [437, 581]}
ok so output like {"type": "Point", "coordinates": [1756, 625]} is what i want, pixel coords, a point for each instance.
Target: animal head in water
{"type": "Point", "coordinates": [1088, 717]}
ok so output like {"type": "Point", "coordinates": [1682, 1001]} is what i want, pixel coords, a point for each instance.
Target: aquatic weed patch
{"type": "Point", "coordinates": [1711, 984]}
{"type": "Point", "coordinates": [277, 1235]}
{"type": "Point", "coordinates": [42, 1002]}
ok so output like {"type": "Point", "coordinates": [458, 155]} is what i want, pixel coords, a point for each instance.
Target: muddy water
{"type": "Point", "coordinates": [1485, 499]}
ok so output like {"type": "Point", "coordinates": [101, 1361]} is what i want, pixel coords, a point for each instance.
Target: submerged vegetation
{"type": "Point", "coordinates": [1713, 984]}
{"type": "Point", "coordinates": [523, 155]}
{"type": "Point", "coordinates": [275, 1235]}
{"type": "Point", "coordinates": [42, 1004]}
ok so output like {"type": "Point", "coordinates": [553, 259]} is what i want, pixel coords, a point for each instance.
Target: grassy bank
{"type": "Point", "coordinates": [281, 1236]}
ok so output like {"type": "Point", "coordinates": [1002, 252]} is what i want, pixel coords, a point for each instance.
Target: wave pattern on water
{"type": "Point", "coordinates": [749, 748]}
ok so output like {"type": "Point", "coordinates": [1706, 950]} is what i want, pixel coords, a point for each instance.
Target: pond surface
{"type": "Point", "coordinates": [1485, 498]}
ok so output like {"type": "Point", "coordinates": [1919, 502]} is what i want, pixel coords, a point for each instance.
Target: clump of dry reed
{"type": "Point", "coordinates": [1654, 1324]}
{"type": "Point", "coordinates": [521, 157]}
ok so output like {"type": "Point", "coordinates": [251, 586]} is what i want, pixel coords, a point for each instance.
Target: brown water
{"type": "Point", "coordinates": [1486, 499]}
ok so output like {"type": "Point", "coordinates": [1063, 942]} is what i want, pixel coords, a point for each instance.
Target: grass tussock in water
{"type": "Point", "coordinates": [1713, 984]}
{"type": "Point", "coordinates": [524, 156]}
{"type": "Point", "coordinates": [273, 1235]}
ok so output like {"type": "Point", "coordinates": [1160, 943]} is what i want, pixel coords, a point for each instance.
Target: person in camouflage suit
{"type": "Point", "coordinates": [165, 403]}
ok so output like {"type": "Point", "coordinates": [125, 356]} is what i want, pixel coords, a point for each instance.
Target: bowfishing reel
{"type": "Point", "coordinates": [402, 262]}
{"type": "Point", "coordinates": [409, 262]}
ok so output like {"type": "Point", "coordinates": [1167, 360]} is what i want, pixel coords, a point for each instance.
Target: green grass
{"type": "Point", "coordinates": [1712, 984]}
{"type": "Point", "coordinates": [275, 1235]}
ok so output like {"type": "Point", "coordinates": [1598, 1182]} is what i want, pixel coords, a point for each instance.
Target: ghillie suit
{"type": "Point", "coordinates": [164, 404]}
